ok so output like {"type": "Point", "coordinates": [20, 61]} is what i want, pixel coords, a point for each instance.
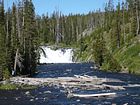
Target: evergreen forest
{"type": "Point", "coordinates": [109, 37]}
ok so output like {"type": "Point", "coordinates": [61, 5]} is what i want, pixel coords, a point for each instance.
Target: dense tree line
{"type": "Point", "coordinates": [117, 28]}
{"type": "Point", "coordinates": [98, 33]}
{"type": "Point", "coordinates": [71, 27]}
{"type": "Point", "coordinates": [18, 39]}
{"type": "Point", "coordinates": [21, 33]}
{"type": "Point", "coordinates": [121, 23]}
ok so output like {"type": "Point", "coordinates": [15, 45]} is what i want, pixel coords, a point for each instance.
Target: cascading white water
{"type": "Point", "coordinates": [56, 56]}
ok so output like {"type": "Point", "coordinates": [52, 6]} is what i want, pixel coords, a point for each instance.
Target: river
{"type": "Point", "coordinates": [54, 95]}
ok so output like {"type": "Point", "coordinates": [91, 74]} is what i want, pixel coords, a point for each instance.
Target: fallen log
{"type": "Point", "coordinates": [68, 82]}
{"type": "Point", "coordinates": [92, 95]}
{"type": "Point", "coordinates": [92, 86]}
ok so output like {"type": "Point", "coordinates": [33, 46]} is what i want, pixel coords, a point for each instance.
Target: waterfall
{"type": "Point", "coordinates": [56, 56]}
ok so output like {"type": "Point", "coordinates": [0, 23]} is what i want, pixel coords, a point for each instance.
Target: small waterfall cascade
{"type": "Point", "coordinates": [61, 55]}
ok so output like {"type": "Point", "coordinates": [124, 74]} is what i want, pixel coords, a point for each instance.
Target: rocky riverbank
{"type": "Point", "coordinates": [77, 80]}
{"type": "Point", "coordinates": [71, 83]}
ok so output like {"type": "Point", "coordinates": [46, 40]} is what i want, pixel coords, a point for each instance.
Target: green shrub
{"type": "Point", "coordinates": [6, 74]}
{"type": "Point", "coordinates": [128, 56]}
{"type": "Point", "coordinates": [110, 64]}
{"type": "Point", "coordinates": [7, 86]}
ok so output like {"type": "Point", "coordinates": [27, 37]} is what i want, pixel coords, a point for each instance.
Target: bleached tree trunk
{"type": "Point", "coordinates": [15, 63]}
{"type": "Point", "coordinates": [17, 51]}
{"type": "Point", "coordinates": [23, 20]}
{"type": "Point", "coordinates": [7, 33]}
{"type": "Point", "coordinates": [124, 37]}
{"type": "Point", "coordinates": [18, 26]}
{"type": "Point", "coordinates": [137, 14]}
{"type": "Point", "coordinates": [57, 27]}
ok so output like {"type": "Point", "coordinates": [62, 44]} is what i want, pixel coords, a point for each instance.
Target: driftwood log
{"type": "Point", "coordinates": [71, 83]}
{"type": "Point", "coordinates": [83, 82]}
{"type": "Point", "coordinates": [92, 95]}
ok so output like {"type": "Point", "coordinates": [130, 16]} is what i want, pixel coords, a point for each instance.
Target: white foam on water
{"type": "Point", "coordinates": [56, 56]}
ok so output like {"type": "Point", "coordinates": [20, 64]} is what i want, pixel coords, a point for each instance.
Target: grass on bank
{"type": "Point", "coordinates": [129, 57]}
{"type": "Point", "coordinates": [9, 86]}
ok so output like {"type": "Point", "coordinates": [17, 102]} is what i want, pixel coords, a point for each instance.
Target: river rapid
{"type": "Point", "coordinates": [59, 63]}
{"type": "Point", "coordinates": [46, 95]}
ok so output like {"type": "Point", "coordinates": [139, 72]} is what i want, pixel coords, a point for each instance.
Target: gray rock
{"type": "Point", "coordinates": [27, 93]}
{"type": "Point", "coordinates": [31, 100]}
{"type": "Point", "coordinates": [47, 92]}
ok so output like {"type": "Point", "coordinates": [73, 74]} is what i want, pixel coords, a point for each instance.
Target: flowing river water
{"type": "Point", "coordinates": [54, 95]}
{"type": "Point", "coordinates": [62, 66]}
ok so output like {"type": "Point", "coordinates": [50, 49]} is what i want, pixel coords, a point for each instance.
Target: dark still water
{"type": "Point", "coordinates": [54, 95]}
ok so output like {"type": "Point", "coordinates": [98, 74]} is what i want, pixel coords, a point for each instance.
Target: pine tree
{"type": "Point", "coordinates": [30, 56]}
{"type": "Point", "coordinates": [2, 40]}
{"type": "Point", "coordinates": [14, 39]}
{"type": "Point", "coordinates": [9, 51]}
{"type": "Point", "coordinates": [118, 24]}
{"type": "Point", "coordinates": [132, 13]}
{"type": "Point", "coordinates": [110, 10]}
{"type": "Point", "coordinates": [138, 17]}
{"type": "Point", "coordinates": [123, 21]}
{"type": "Point", "coordinates": [99, 48]}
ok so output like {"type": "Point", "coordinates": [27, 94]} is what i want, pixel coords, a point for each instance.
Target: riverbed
{"type": "Point", "coordinates": [54, 95]}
